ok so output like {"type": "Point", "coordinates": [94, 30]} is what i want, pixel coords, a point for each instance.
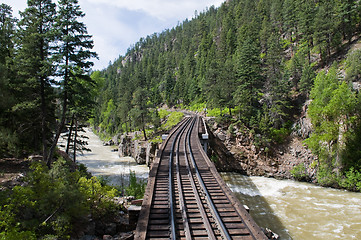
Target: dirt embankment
{"type": "Point", "coordinates": [12, 170]}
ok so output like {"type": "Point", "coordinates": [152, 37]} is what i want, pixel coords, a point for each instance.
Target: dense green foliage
{"type": "Point", "coordinates": [52, 201]}
{"type": "Point", "coordinates": [254, 62]}
{"type": "Point", "coordinates": [254, 57]}
{"type": "Point", "coordinates": [136, 187]}
{"type": "Point", "coordinates": [335, 114]}
{"type": "Point", "coordinates": [44, 80]}
{"type": "Point", "coordinates": [299, 172]}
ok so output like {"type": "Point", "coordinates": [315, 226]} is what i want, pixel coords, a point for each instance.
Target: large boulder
{"type": "Point", "coordinates": [139, 152]}
{"type": "Point", "coordinates": [143, 152]}
{"type": "Point", "coordinates": [125, 146]}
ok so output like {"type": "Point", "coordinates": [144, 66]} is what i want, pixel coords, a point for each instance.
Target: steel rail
{"type": "Point", "coordinates": [170, 183]}
{"type": "Point", "coordinates": [142, 226]}
{"type": "Point", "coordinates": [182, 205]}
{"type": "Point", "coordinates": [213, 208]}
{"type": "Point", "coordinates": [199, 201]}
{"type": "Point", "coordinates": [186, 198]}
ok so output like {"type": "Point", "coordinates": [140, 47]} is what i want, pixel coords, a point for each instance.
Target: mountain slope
{"type": "Point", "coordinates": [250, 63]}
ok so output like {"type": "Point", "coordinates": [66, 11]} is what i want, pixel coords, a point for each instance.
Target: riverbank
{"type": "Point", "coordinates": [104, 161]}
{"type": "Point", "coordinates": [291, 209]}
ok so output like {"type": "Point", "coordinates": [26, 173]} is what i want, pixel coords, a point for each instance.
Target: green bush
{"type": "Point", "coordinates": [214, 159]}
{"type": "Point", "coordinates": [215, 112]}
{"type": "Point", "coordinates": [52, 201]}
{"type": "Point", "coordinates": [325, 176]}
{"type": "Point", "coordinates": [14, 234]}
{"type": "Point", "coordinates": [173, 119]}
{"type": "Point", "coordinates": [157, 139]}
{"type": "Point", "coordinates": [136, 188]}
{"type": "Point", "coordinates": [299, 172]}
{"type": "Point", "coordinates": [352, 180]}
{"type": "Point", "coordinates": [279, 135]}
{"type": "Point", "coordinates": [197, 107]}
{"type": "Point", "coordinates": [232, 129]}
{"type": "Point", "coordinates": [163, 113]}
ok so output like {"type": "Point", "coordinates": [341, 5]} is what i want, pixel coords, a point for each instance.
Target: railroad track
{"type": "Point", "coordinates": [187, 199]}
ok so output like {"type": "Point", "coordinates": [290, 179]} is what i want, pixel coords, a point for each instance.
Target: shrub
{"type": "Point", "coordinates": [51, 202]}
{"type": "Point", "coordinates": [299, 172]}
{"type": "Point", "coordinates": [232, 129]}
{"type": "Point", "coordinates": [157, 139]}
{"type": "Point", "coordinates": [279, 135]}
{"type": "Point", "coordinates": [173, 119]}
{"type": "Point", "coordinates": [352, 180]}
{"type": "Point", "coordinates": [163, 114]}
{"type": "Point", "coordinates": [136, 188]}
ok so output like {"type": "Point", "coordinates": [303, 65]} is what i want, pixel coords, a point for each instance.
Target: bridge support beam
{"type": "Point", "coordinates": [204, 142]}
{"type": "Point", "coordinates": [203, 136]}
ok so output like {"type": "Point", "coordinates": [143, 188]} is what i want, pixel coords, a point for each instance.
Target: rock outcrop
{"type": "Point", "coordinates": [143, 152]}
{"type": "Point", "coordinates": [234, 149]}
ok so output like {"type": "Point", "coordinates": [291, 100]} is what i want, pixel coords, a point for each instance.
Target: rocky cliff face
{"type": "Point", "coordinates": [143, 152]}
{"type": "Point", "coordinates": [236, 151]}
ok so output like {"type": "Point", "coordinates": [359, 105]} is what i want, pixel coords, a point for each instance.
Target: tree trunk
{"type": "Point", "coordinates": [43, 119]}
{"type": "Point", "coordinates": [126, 127]}
{"type": "Point", "coordinates": [70, 132]}
{"type": "Point", "coordinates": [143, 128]}
{"type": "Point", "coordinates": [43, 101]}
{"type": "Point", "coordinates": [63, 115]}
{"type": "Point", "coordinates": [56, 138]}
{"type": "Point", "coordinates": [75, 138]}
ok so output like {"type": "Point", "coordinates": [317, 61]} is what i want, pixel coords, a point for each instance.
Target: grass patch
{"type": "Point", "coordinates": [173, 119]}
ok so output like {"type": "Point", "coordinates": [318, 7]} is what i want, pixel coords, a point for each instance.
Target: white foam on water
{"type": "Point", "coordinates": [306, 211]}
{"type": "Point", "coordinates": [102, 161]}
{"type": "Point", "coordinates": [243, 190]}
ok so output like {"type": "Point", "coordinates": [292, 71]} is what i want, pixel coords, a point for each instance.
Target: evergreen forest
{"type": "Point", "coordinates": [45, 88]}
{"type": "Point", "coordinates": [255, 63]}
{"type": "Point", "coordinates": [258, 64]}
{"type": "Point", "coordinates": [44, 78]}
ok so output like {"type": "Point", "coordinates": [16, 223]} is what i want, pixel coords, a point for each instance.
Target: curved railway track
{"type": "Point", "coordinates": [187, 199]}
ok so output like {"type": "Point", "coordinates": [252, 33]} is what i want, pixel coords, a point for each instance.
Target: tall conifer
{"type": "Point", "coordinates": [74, 51]}
{"type": "Point", "coordinates": [35, 68]}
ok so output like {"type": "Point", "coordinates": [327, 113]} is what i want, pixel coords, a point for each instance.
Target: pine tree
{"type": "Point", "coordinates": [249, 80]}
{"type": "Point", "coordinates": [324, 28]}
{"type": "Point", "coordinates": [35, 68]}
{"type": "Point", "coordinates": [74, 51]}
{"type": "Point", "coordinates": [81, 104]}
{"type": "Point", "coordinates": [227, 84]}
{"type": "Point", "coordinates": [290, 23]}
{"type": "Point", "coordinates": [140, 112]}
{"type": "Point", "coordinates": [347, 15]}
{"type": "Point", "coordinates": [7, 31]}
{"type": "Point", "coordinates": [7, 126]}
{"type": "Point", "coordinates": [213, 78]}
{"type": "Point", "coordinates": [305, 16]}
{"type": "Point", "coordinates": [276, 87]}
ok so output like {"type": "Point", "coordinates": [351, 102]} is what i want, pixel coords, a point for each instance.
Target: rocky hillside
{"type": "Point", "coordinates": [237, 151]}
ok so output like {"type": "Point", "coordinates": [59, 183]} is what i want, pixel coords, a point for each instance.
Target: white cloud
{"type": "Point", "coordinates": [162, 9]}
{"type": "Point", "coordinates": [17, 5]}
{"type": "Point", "coordinates": [118, 24]}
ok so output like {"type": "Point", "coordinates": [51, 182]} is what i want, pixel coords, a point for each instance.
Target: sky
{"type": "Point", "coordinates": [116, 25]}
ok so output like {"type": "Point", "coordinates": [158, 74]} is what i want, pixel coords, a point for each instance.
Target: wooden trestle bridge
{"type": "Point", "coordinates": [186, 198]}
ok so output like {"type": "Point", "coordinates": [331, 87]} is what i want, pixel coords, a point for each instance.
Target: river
{"type": "Point", "coordinates": [297, 210]}
{"type": "Point", "coordinates": [293, 210]}
{"type": "Point", "coordinates": [103, 161]}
